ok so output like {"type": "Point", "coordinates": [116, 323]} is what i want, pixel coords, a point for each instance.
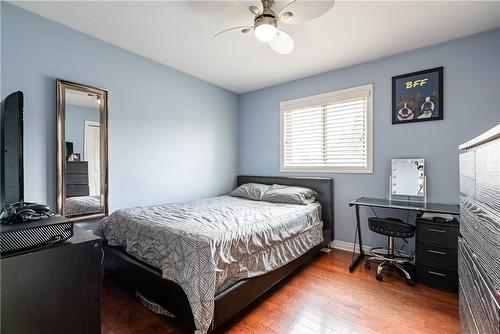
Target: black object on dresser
{"type": "Point", "coordinates": [53, 290]}
{"type": "Point", "coordinates": [436, 253]}
{"type": "Point", "coordinates": [15, 238]}
{"type": "Point", "coordinates": [77, 178]}
{"type": "Point", "coordinates": [479, 244]}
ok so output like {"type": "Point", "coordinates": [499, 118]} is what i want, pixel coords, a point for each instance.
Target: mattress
{"type": "Point", "coordinates": [207, 245]}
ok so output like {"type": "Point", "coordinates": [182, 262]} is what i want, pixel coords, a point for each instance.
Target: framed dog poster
{"type": "Point", "coordinates": [417, 96]}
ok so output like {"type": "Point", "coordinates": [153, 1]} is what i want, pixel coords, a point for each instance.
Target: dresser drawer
{"type": "Point", "coordinates": [487, 178]}
{"type": "Point", "coordinates": [437, 277]}
{"type": "Point", "coordinates": [77, 190]}
{"type": "Point", "coordinates": [477, 290]}
{"type": "Point", "coordinates": [481, 228]}
{"type": "Point", "coordinates": [468, 174]}
{"type": "Point", "coordinates": [77, 179]}
{"type": "Point", "coordinates": [435, 256]}
{"type": "Point", "coordinates": [440, 234]}
{"type": "Point", "coordinates": [467, 322]}
{"type": "Point", "coordinates": [74, 167]}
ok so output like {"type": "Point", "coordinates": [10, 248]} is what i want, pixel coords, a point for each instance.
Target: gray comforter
{"type": "Point", "coordinates": [207, 245]}
{"type": "Point", "coordinates": [82, 204]}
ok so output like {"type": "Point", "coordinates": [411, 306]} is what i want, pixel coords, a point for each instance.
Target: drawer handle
{"type": "Point", "coordinates": [435, 273]}
{"type": "Point", "coordinates": [436, 252]}
{"type": "Point", "coordinates": [435, 230]}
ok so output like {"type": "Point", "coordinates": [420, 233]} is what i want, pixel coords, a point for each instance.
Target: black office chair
{"type": "Point", "coordinates": [389, 256]}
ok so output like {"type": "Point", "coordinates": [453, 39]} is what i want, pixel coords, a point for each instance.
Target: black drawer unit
{"type": "Point", "coordinates": [437, 253]}
{"type": "Point", "coordinates": [77, 178]}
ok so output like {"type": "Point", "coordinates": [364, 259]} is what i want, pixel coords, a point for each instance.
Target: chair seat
{"type": "Point", "coordinates": [391, 227]}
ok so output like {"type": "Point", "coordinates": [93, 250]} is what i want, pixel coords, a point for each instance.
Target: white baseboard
{"type": "Point", "coordinates": [347, 246]}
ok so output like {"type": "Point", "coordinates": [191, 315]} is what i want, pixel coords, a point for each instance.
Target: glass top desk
{"type": "Point", "coordinates": [421, 207]}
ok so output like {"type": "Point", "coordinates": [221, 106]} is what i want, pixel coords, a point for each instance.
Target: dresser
{"type": "Point", "coordinates": [77, 178]}
{"type": "Point", "coordinates": [479, 244]}
{"type": "Point", "coordinates": [53, 290]}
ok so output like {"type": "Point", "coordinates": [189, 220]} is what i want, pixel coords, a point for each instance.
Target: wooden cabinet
{"type": "Point", "coordinates": [54, 290]}
{"type": "Point", "coordinates": [479, 246]}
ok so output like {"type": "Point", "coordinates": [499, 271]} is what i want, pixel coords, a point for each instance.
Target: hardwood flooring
{"type": "Point", "coordinates": [322, 298]}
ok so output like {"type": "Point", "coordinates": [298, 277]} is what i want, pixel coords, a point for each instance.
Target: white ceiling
{"type": "Point", "coordinates": [179, 34]}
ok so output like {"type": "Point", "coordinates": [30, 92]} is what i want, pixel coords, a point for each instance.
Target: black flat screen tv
{"type": "Point", "coordinates": [11, 150]}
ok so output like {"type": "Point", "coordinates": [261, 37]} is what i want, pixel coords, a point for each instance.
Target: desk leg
{"type": "Point", "coordinates": [360, 256]}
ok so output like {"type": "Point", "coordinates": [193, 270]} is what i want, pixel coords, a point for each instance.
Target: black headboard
{"type": "Point", "coordinates": [322, 185]}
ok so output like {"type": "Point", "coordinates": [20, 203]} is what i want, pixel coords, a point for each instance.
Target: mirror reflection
{"type": "Point", "coordinates": [82, 143]}
{"type": "Point", "coordinates": [407, 177]}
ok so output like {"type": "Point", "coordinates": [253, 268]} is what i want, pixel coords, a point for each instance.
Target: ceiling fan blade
{"type": "Point", "coordinates": [283, 9]}
{"type": "Point", "coordinates": [286, 17]}
{"type": "Point", "coordinates": [255, 6]}
{"type": "Point", "coordinates": [255, 10]}
{"type": "Point", "coordinates": [283, 43]}
{"type": "Point", "coordinates": [304, 10]}
{"type": "Point", "coordinates": [233, 32]}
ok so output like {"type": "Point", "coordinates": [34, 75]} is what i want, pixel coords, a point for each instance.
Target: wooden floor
{"type": "Point", "coordinates": [321, 298]}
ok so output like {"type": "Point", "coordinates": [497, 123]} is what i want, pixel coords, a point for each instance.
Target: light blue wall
{"type": "Point", "coordinates": [75, 125]}
{"type": "Point", "coordinates": [471, 106]}
{"type": "Point", "coordinates": [171, 136]}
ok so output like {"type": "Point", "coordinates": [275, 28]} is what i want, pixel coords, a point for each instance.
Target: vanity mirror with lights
{"type": "Point", "coordinates": [408, 180]}
{"type": "Point", "coordinates": [82, 151]}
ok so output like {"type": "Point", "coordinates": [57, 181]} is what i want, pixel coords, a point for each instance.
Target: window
{"type": "Point", "coordinates": [330, 132]}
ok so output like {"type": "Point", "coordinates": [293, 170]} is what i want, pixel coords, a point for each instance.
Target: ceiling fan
{"type": "Point", "coordinates": [272, 14]}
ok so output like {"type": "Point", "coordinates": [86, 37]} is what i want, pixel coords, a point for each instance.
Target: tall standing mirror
{"type": "Point", "coordinates": [82, 151]}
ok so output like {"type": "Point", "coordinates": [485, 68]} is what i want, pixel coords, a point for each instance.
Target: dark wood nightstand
{"type": "Point", "coordinates": [54, 290]}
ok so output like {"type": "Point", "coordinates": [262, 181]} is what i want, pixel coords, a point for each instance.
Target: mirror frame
{"type": "Point", "coordinates": [62, 86]}
{"type": "Point", "coordinates": [423, 196]}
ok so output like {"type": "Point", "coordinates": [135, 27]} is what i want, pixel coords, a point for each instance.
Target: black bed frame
{"type": "Point", "coordinates": [138, 276]}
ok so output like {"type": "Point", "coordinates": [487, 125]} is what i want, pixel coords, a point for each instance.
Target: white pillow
{"type": "Point", "coordinates": [292, 195]}
{"type": "Point", "coordinates": [253, 191]}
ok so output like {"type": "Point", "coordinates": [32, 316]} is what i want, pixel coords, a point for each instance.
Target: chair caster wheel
{"type": "Point", "coordinates": [367, 265]}
{"type": "Point", "coordinates": [378, 277]}
{"type": "Point", "coordinates": [410, 282]}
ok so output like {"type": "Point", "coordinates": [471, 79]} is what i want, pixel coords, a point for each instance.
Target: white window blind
{"type": "Point", "coordinates": [329, 132]}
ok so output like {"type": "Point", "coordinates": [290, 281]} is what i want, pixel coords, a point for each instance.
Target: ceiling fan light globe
{"type": "Point", "coordinates": [265, 32]}
{"type": "Point", "coordinates": [283, 43]}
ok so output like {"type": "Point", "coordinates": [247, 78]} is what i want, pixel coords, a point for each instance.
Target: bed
{"type": "Point", "coordinates": [206, 260]}
{"type": "Point", "coordinates": [78, 205]}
